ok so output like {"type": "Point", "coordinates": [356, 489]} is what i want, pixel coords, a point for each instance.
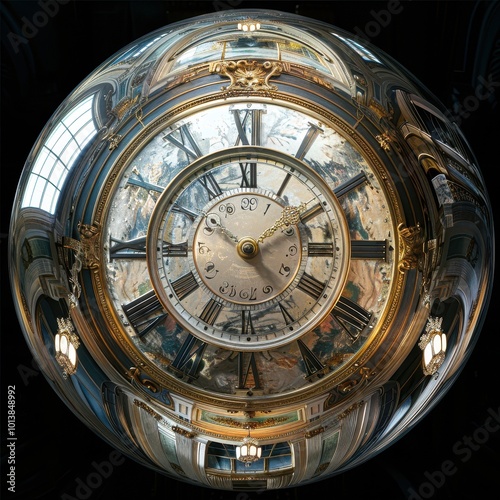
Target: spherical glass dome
{"type": "Point", "coordinates": [251, 250]}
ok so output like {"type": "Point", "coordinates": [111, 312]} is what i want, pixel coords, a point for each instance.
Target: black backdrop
{"type": "Point", "coordinates": [454, 453]}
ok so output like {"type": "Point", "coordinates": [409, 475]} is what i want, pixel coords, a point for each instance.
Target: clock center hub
{"type": "Point", "coordinates": [247, 247]}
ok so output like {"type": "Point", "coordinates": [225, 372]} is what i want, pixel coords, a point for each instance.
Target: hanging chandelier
{"type": "Point", "coordinates": [249, 451]}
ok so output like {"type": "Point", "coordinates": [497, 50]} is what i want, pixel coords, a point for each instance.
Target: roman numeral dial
{"type": "Point", "coordinates": [144, 313]}
{"type": "Point", "coordinates": [250, 245]}
{"type": "Point", "coordinates": [189, 359]}
{"type": "Point", "coordinates": [248, 249]}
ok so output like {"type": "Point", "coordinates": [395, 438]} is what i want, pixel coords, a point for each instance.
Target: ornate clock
{"type": "Point", "coordinates": [250, 253]}
{"type": "Point", "coordinates": [264, 234]}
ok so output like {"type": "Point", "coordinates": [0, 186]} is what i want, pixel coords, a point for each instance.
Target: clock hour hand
{"type": "Point", "coordinates": [213, 221]}
{"type": "Point", "coordinates": [290, 215]}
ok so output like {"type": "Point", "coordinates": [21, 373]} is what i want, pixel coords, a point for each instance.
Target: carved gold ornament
{"type": "Point", "coordinates": [411, 238]}
{"type": "Point", "coordinates": [247, 75]}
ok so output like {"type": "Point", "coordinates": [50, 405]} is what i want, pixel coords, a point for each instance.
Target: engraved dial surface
{"type": "Point", "coordinates": [257, 267]}
{"type": "Point", "coordinates": [249, 246]}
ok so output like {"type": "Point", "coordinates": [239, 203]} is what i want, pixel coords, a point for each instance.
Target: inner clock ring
{"type": "Point", "coordinates": [229, 258]}
{"type": "Point", "coordinates": [248, 248]}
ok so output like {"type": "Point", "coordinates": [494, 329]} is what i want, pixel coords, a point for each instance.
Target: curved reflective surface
{"type": "Point", "coordinates": [410, 240]}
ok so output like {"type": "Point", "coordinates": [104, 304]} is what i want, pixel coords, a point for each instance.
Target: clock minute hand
{"type": "Point", "coordinates": [289, 215]}
{"type": "Point", "coordinates": [213, 220]}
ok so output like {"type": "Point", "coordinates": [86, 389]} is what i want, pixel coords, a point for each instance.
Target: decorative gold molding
{"type": "Point", "coordinates": [114, 140]}
{"type": "Point", "coordinates": [125, 105]}
{"type": "Point", "coordinates": [349, 410]}
{"type": "Point", "coordinates": [411, 240]}
{"type": "Point", "coordinates": [379, 110]}
{"type": "Point", "coordinates": [90, 238]}
{"type": "Point", "coordinates": [183, 432]}
{"type": "Point", "coordinates": [384, 140]}
{"type": "Point", "coordinates": [148, 409]}
{"type": "Point", "coordinates": [268, 422]}
{"type": "Point", "coordinates": [246, 76]}
{"type": "Point", "coordinates": [363, 375]}
{"type": "Point", "coordinates": [134, 374]}
{"type": "Point", "coordinates": [76, 267]}
{"type": "Point", "coordinates": [314, 432]}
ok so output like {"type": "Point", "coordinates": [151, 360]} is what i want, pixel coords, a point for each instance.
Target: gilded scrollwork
{"type": "Point", "coordinates": [183, 432]}
{"type": "Point", "coordinates": [90, 244]}
{"type": "Point", "coordinates": [411, 243]}
{"type": "Point", "coordinates": [349, 410]}
{"type": "Point", "coordinates": [248, 75]}
{"type": "Point", "coordinates": [256, 424]}
{"type": "Point", "coordinates": [314, 432]}
{"type": "Point", "coordinates": [124, 106]}
{"type": "Point", "coordinates": [148, 409]}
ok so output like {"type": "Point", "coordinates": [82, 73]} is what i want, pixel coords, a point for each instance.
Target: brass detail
{"type": "Point", "coordinates": [124, 106]}
{"type": "Point", "coordinates": [268, 422]}
{"type": "Point", "coordinates": [347, 386]}
{"type": "Point", "coordinates": [308, 74]}
{"type": "Point", "coordinates": [134, 374]}
{"type": "Point", "coordinates": [76, 267]}
{"type": "Point", "coordinates": [349, 410]}
{"type": "Point", "coordinates": [384, 141]}
{"type": "Point", "coordinates": [66, 326]}
{"type": "Point", "coordinates": [290, 215]}
{"type": "Point", "coordinates": [433, 325]}
{"type": "Point", "coordinates": [247, 247]}
{"type": "Point", "coordinates": [429, 164]}
{"type": "Point", "coordinates": [183, 432]}
{"type": "Point", "coordinates": [379, 110]}
{"type": "Point", "coordinates": [412, 240]}
{"type": "Point", "coordinates": [90, 244]}
{"type": "Point", "coordinates": [247, 75]}
{"type": "Point", "coordinates": [314, 432]}
{"type": "Point", "coordinates": [148, 409]}
{"type": "Point", "coordinates": [114, 140]}
{"type": "Point", "coordinates": [366, 372]}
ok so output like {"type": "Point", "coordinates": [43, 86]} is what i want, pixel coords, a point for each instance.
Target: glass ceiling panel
{"type": "Point", "coordinates": [57, 156]}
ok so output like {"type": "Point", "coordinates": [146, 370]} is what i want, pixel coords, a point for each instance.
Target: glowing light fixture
{"type": "Point", "coordinates": [433, 343]}
{"type": "Point", "coordinates": [66, 343]}
{"type": "Point", "coordinates": [249, 25]}
{"type": "Point", "coordinates": [249, 451]}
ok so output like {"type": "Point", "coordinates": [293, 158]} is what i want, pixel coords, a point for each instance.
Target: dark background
{"type": "Point", "coordinates": [445, 45]}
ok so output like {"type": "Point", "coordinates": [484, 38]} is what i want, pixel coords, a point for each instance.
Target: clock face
{"type": "Point", "coordinates": [249, 246]}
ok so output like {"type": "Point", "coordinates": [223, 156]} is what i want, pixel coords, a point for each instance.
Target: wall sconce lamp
{"type": "Point", "coordinates": [433, 343]}
{"type": "Point", "coordinates": [249, 25]}
{"type": "Point", "coordinates": [66, 343]}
